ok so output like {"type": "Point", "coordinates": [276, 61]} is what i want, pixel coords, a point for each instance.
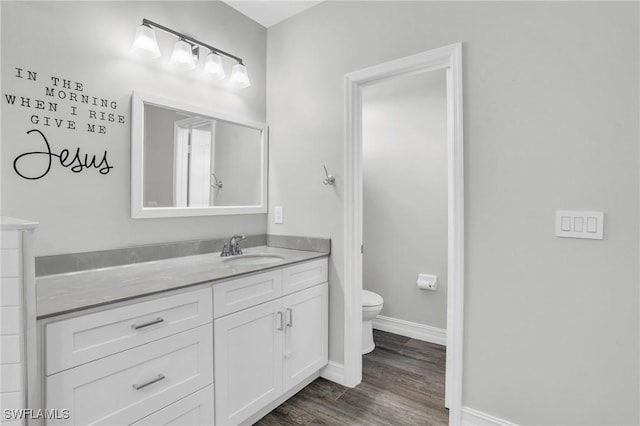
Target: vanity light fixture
{"type": "Point", "coordinates": [185, 54]}
{"type": "Point", "coordinates": [183, 57]}
{"type": "Point", "coordinates": [239, 77]}
{"type": "Point", "coordinates": [213, 66]}
{"type": "Point", "coordinates": [144, 43]}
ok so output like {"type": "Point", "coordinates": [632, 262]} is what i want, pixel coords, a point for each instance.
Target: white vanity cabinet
{"type": "Point", "coordinates": [265, 350]}
{"type": "Point", "coordinates": [128, 364]}
{"type": "Point", "coordinates": [153, 362]}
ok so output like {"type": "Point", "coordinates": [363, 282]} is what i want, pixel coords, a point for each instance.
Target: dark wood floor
{"type": "Point", "coordinates": [402, 384]}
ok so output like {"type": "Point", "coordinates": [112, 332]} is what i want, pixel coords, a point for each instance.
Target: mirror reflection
{"type": "Point", "coordinates": [187, 160]}
{"type": "Point", "coordinates": [211, 162]}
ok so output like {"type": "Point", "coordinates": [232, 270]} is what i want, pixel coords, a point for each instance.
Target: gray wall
{"type": "Point", "coordinates": [89, 42]}
{"type": "Point", "coordinates": [404, 134]}
{"type": "Point", "coordinates": [550, 122]}
{"type": "Point", "coordinates": [158, 156]}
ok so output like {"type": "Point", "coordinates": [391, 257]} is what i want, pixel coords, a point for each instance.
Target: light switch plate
{"type": "Point", "coordinates": [279, 215]}
{"type": "Point", "coordinates": [580, 224]}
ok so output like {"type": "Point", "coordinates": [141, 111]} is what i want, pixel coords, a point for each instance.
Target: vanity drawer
{"type": "Point", "coordinates": [235, 295]}
{"type": "Point", "coordinates": [196, 409]}
{"type": "Point", "coordinates": [76, 341]}
{"type": "Point", "coordinates": [304, 275]}
{"type": "Point", "coordinates": [130, 385]}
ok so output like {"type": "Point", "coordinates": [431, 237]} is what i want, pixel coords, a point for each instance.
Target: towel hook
{"type": "Point", "coordinates": [330, 180]}
{"type": "Point", "coordinates": [218, 183]}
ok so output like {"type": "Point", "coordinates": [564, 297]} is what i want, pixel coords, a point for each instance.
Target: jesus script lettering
{"type": "Point", "coordinates": [77, 162]}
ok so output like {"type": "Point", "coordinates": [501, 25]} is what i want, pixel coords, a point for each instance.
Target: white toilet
{"type": "Point", "coordinates": [371, 307]}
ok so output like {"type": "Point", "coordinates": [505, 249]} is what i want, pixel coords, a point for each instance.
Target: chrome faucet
{"type": "Point", "coordinates": [231, 247]}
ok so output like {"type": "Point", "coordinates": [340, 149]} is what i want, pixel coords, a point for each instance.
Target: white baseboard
{"type": "Point", "coordinates": [411, 329]}
{"type": "Point", "coordinates": [334, 372]}
{"type": "Point", "coordinates": [471, 417]}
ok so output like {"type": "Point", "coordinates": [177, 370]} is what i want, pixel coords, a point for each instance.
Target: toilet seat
{"type": "Point", "coordinates": [370, 298]}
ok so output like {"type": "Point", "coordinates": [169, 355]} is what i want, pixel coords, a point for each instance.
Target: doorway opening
{"type": "Point", "coordinates": [449, 59]}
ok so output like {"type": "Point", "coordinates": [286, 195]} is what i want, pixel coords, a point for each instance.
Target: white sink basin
{"type": "Point", "coordinates": [252, 259]}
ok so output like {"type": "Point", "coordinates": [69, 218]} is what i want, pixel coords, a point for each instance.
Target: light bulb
{"type": "Point", "coordinates": [182, 57]}
{"type": "Point", "coordinates": [213, 66]}
{"type": "Point", "coordinates": [144, 43]}
{"type": "Point", "coordinates": [239, 77]}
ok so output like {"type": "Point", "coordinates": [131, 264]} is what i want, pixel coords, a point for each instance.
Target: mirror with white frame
{"type": "Point", "coordinates": [187, 160]}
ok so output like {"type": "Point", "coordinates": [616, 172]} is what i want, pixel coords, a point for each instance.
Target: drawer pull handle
{"type": "Point", "coordinates": [290, 321]}
{"type": "Point", "coordinates": [149, 382]}
{"type": "Point", "coordinates": [147, 324]}
{"type": "Point", "coordinates": [280, 326]}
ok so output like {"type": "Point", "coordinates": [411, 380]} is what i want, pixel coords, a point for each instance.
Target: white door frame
{"type": "Point", "coordinates": [448, 58]}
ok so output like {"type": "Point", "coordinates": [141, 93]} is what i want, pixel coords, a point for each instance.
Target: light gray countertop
{"type": "Point", "coordinates": [70, 292]}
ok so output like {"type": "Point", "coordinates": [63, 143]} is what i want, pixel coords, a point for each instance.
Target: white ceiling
{"type": "Point", "coordinates": [270, 12]}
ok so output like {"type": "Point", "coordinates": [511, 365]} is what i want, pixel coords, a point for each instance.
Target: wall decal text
{"type": "Point", "coordinates": [77, 163]}
{"type": "Point", "coordinates": [59, 103]}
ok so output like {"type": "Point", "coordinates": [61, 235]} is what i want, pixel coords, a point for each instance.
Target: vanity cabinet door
{"type": "Point", "coordinates": [306, 334]}
{"type": "Point", "coordinates": [248, 361]}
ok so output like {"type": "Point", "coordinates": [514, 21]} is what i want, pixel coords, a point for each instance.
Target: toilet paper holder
{"type": "Point", "coordinates": [427, 282]}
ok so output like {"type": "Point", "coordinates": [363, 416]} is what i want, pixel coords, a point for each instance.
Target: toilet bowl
{"type": "Point", "coordinates": [371, 307]}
